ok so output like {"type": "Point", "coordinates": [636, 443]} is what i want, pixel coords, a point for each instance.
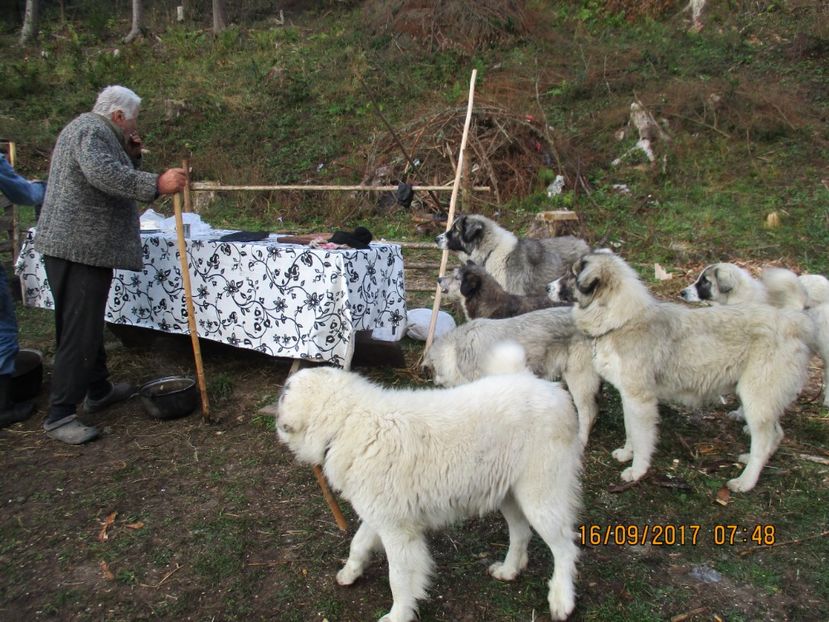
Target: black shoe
{"type": "Point", "coordinates": [12, 412]}
{"type": "Point", "coordinates": [18, 411]}
{"type": "Point", "coordinates": [118, 393]}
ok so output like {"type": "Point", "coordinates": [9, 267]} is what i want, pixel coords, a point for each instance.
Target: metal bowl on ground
{"type": "Point", "coordinates": [170, 397]}
{"type": "Point", "coordinates": [28, 375]}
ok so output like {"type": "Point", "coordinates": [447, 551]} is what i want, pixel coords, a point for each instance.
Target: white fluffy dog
{"type": "Point", "coordinates": [655, 352]}
{"type": "Point", "coordinates": [414, 460]}
{"type": "Point", "coordinates": [727, 284]}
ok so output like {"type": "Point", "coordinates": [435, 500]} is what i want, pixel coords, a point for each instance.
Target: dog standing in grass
{"type": "Point", "coordinates": [410, 461]}
{"type": "Point", "coordinates": [656, 352]}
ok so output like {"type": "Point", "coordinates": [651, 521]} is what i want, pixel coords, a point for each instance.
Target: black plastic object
{"type": "Point", "coordinates": [359, 238]}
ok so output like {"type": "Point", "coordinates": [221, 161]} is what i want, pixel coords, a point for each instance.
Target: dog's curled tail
{"type": "Point", "coordinates": [505, 357]}
{"type": "Point", "coordinates": [784, 289]}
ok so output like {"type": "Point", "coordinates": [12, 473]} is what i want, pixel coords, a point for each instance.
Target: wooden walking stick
{"type": "Point", "coordinates": [188, 204]}
{"type": "Point", "coordinates": [188, 299]}
{"type": "Point", "coordinates": [451, 216]}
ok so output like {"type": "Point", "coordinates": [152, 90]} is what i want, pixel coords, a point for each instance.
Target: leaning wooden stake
{"type": "Point", "coordinates": [188, 299]}
{"type": "Point", "coordinates": [451, 216]}
{"type": "Point", "coordinates": [330, 500]}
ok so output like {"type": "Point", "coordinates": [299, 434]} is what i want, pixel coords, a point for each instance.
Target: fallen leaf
{"type": "Point", "coordinates": [106, 572]}
{"type": "Point", "coordinates": [103, 536]}
{"type": "Point", "coordinates": [772, 220]}
{"type": "Point", "coordinates": [138, 525]}
{"type": "Point", "coordinates": [671, 482]}
{"type": "Point", "coordinates": [723, 496]}
{"type": "Point", "coordinates": [660, 274]}
{"type": "Point", "coordinates": [621, 487]}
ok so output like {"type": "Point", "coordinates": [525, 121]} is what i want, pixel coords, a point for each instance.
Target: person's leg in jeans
{"type": "Point", "coordinates": [80, 292]}
{"type": "Point", "coordinates": [10, 412]}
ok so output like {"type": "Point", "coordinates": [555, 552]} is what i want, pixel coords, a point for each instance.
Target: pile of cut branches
{"type": "Point", "coordinates": [505, 152]}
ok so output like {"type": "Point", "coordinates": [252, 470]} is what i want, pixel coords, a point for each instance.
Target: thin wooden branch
{"type": "Point", "coordinates": [200, 186]}
{"type": "Point", "coordinates": [330, 500]}
{"type": "Point", "coordinates": [763, 547]}
{"type": "Point", "coordinates": [451, 216]}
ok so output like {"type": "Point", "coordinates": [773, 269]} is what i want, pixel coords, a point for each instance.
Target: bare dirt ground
{"type": "Point", "coordinates": [215, 521]}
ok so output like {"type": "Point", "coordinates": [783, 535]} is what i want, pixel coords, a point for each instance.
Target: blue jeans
{"type": "Point", "coordinates": [8, 327]}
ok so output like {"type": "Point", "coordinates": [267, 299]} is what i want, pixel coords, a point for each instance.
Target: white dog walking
{"type": "Point", "coordinates": [415, 460]}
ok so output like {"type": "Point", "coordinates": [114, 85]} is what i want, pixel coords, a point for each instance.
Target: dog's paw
{"type": "Point", "coordinates": [502, 572]}
{"type": "Point", "coordinates": [348, 575]}
{"type": "Point", "coordinates": [631, 474]}
{"type": "Point", "coordinates": [561, 606]}
{"type": "Point", "coordinates": [737, 415]}
{"type": "Point", "coordinates": [738, 484]}
{"type": "Point", "coordinates": [623, 454]}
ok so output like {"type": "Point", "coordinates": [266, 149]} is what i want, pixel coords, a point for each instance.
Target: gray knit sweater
{"type": "Point", "coordinates": [89, 215]}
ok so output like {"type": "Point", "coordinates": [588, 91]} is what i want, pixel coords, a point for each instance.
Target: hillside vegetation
{"type": "Point", "coordinates": [741, 106]}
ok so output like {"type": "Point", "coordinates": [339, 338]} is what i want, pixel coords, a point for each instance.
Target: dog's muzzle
{"type": "Point", "coordinates": [440, 240]}
{"type": "Point", "coordinates": [690, 294]}
{"type": "Point", "coordinates": [442, 283]}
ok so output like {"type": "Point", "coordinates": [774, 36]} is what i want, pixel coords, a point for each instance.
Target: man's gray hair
{"type": "Point", "coordinates": [117, 97]}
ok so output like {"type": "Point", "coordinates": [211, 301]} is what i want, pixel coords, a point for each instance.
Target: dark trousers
{"type": "Point", "coordinates": [80, 292]}
{"type": "Point", "coordinates": [8, 327]}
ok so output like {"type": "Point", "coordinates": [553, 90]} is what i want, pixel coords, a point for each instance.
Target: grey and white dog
{"type": "Point", "coordinates": [553, 347]}
{"type": "Point", "coordinates": [520, 265]}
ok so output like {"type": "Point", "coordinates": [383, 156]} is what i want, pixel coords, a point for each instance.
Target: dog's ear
{"type": "Point", "coordinates": [577, 267]}
{"type": "Point", "coordinates": [586, 284]}
{"type": "Point", "coordinates": [470, 284]}
{"type": "Point", "coordinates": [472, 229]}
{"type": "Point", "coordinates": [725, 280]}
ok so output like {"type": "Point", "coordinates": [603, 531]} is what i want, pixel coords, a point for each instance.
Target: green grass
{"type": "Point", "coordinates": [266, 104]}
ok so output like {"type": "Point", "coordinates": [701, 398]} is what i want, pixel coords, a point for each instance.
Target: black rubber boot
{"type": "Point", "coordinates": [12, 412]}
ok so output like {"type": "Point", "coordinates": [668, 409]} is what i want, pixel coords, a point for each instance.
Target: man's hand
{"type": "Point", "coordinates": [171, 181]}
{"type": "Point", "coordinates": [134, 144]}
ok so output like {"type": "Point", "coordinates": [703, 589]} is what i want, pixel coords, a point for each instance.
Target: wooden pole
{"type": "Point", "coordinates": [444, 258]}
{"type": "Point", "coordinates": [200, 186]}
{"type": "Point", "coordinates": [191, 312]}
{"type": "Point", "coordinates": [330, 500]}
{"type": "Point", "coordinates": [188, 204]}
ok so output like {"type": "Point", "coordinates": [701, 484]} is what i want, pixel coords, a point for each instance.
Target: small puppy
{"type": "Point", "coordinates": [479, 294]}
{"type": "Point", "coordinates": [410, 461]}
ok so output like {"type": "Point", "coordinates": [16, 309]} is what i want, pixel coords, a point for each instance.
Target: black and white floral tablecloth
{"type": "Point", "coordinates": [281, 299]}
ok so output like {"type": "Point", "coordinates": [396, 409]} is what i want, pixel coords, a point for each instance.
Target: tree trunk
{"type": "Point", "coordinates": [219, 22]}
{"type": "Point", "coordinates": [31, 22]}
{"type": "Point", "coordinates": [137, 20]}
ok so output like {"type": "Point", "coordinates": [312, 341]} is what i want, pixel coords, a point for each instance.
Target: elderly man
{"type": "Point", "coordinates": [21, 191]}
{"type": "Point", "coordinates": [89, 226]}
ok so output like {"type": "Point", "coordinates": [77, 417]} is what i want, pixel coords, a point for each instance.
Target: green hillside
{"type": "Point", "coordinates": [743, 105]}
